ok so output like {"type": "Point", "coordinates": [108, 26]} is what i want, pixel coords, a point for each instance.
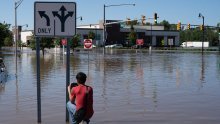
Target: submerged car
{"type": "Point", "coordinates": [93, 46]}
{"type": "Point", "coordinates": [117, 46]}
{"type": "Point", "coordinates": [3, 71]}
{"type": "Point", "coordinates": [114, 46]}
{"type": "Point", "coordinates": [107, 46]}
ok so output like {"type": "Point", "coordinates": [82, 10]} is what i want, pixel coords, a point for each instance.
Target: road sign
{"type": "Point", "coordinates": [54, 18]}
{"type": "Point", "coordinates": [64, 42]}
{"type": "Point", "coordinates": [170, 42]}
{"type": "Point", "coordinates": [140, 41]}
{"type": "Point", "coordinates": [88, 44]}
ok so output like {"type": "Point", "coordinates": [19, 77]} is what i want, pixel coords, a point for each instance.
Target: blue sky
{"type": "Point", "coordinates": [186, 11]}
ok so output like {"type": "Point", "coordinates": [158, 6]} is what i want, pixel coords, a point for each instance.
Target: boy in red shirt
{"type": "Point", "coordinates": [80, 96]}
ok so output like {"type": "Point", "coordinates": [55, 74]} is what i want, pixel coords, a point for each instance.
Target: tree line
{"type": "Point", "coordinates": [6, 39]}
{"type": "Point", "coordinates": [47, 42]}
{"type": "Point", "coordinates": [193, 34]}
{"type": "Point", "coordinates": [6, 36]}
{"type": "Point", "coordinates": [211, 33]}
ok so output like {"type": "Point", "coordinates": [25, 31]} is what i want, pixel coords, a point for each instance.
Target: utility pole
{"type": "Point", "coordinates": [17, 4]}
{"type": "Point", "coordinates": [104, 21]}
{"type": "Point", "coordinates": [203, 30]}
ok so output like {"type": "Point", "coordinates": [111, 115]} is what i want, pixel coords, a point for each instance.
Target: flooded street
{"type": "Point", "coordinates": [130, 87]}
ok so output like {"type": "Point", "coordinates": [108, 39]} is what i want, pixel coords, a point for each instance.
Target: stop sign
{"type": "Point", "coordinates": [140, 41]}
{"type": "Point", "coordinates": [64, 42]}
{"type": "Point", "coordinates": [87, 43]}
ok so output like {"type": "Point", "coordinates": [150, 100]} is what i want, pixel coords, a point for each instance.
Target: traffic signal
{"type": "Point", "coordinates": [188, 26]}
{"type": "Point", "coordinates": [143, 18]}
{"type": "Point", "coordinates": [178, 27]}
{"type": "Point", "coordinates": [201, 27]}
{"type": "Point", "coordinates": [155, 18]}
{"type": "Point", "coordinates": [128, 21]}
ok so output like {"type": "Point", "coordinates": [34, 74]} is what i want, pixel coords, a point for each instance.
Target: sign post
{"type": "Point", "coordinates": [38, 81]}
{"type": "Point", "coordinates": [140, 42]}
{"type": "Point", "coordinates": [67, 76]}
{"type": "Point", "coordinates": [170, 42]}
{"type": "Point", "coordinates": [88, 45]}
{"type": "Point", "coordinates": [64, 43]}
{"type": "Point", "coordinates": [218, 41]}
{"type": "Point", "coordinates": [54, 19]}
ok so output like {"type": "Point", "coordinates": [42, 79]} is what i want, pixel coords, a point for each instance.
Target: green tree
{"type": "Point", "coordinates": [32, 44]}
{"type": "Point", "coordinates": [75, 41]}
{"type": "Point", "coordinates": [218, 25]}
{"type": "Point", "coordinates": [4, 32]}
{"type": "Point", "coordinates": [212, 37]}
{"type": "Point", "coordinates": [196, 35]}
{"type": "Point", "coordinates": [19, 43]}
{"type": "Point", "coordinates": [182, 36]}
{"type": "Point", "coordinates": [44, 43]}
{"type": "Point", "coordinates": [91, 35]}
{"type": "Point", "coordinates": [172, 26]}
{"type": "Point", "coordinates": [132, 36]}
{"type": "Point", "coordinates": [162, 42]}
{"type": "Point", "coordinates": [8, 41]}
{"type": "Point", "coordinates": [166, 25]}
{"type": "Point", "coordinates": [189, 35]}
{"type": "Point", "coordinates": [57, 42]}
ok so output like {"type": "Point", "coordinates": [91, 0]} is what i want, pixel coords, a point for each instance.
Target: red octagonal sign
{"type": "Point", "coordinates": [64, 42]}
{"type": "Point", "coordinates": [140, 41]}
{"type": "Point", "coordinates": [87, 43]}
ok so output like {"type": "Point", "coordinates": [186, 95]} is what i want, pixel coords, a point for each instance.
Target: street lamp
{"type": "Point", "coordinates": [203, 29]}
{"type": "Point", "coordinates": [19, 38]}
{"type": "Point", "coordinates": [17, 33]}
{"type": "Point", "coordinates": [151, 18]}
{"type": "Point", "coordinates": [150, 31]}
{"type": "Point", "coordinates": [17, 4]}
{"type": "Point", "coordinates": [80, 18]}
{"type": "Point", "coordinates": [26, 25]}
{"type": "Point", "coordinates": [104, 21]}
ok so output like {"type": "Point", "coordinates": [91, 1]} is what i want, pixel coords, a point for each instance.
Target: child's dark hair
{"type": "Point", "coordinates": [81, 77]}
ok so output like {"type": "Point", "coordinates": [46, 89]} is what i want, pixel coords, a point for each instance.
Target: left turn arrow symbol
{"type": "Point", "coordinates": [42, 14]}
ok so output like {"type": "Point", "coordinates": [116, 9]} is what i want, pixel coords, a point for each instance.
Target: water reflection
{"type": "Point", "coordinates": [218, 63]}
{"type": "Point", "coordinates": [17, 94]}
{"type": "Point", "coordinates": [47, 66]}
{"type": "Point", "coordinates": [202, 77]}
{"type": "Point", "coordinates": [138, 85]}
{"type": "Point", "coordinates": [2, 88]}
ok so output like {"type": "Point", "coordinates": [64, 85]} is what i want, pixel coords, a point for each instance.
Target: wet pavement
{"type": "Point", "coordinates": [130, 86]}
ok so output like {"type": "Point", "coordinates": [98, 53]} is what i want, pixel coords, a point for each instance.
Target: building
{"type": "Point", "coordinates": [117, 33]}
{"type": "Point", "coordinates": [83, 31]}
{"type": "Point", "coordinates": [26, 36]}
{"type": "Point", "coordinates": [23, 35]}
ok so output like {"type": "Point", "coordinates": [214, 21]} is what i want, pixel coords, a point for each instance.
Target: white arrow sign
{"type": "Point", "coordinates": [54, 18]}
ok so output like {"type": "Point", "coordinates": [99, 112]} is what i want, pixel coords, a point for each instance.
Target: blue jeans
{"type": "Point", "coordinates": [71, 109]}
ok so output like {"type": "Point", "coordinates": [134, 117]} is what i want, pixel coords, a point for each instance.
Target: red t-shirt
{"type": "Point", "coordinates": [79, 96]}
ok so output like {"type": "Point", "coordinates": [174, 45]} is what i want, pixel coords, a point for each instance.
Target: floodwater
{"type": "Point", "coordinates": [130, 87]}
